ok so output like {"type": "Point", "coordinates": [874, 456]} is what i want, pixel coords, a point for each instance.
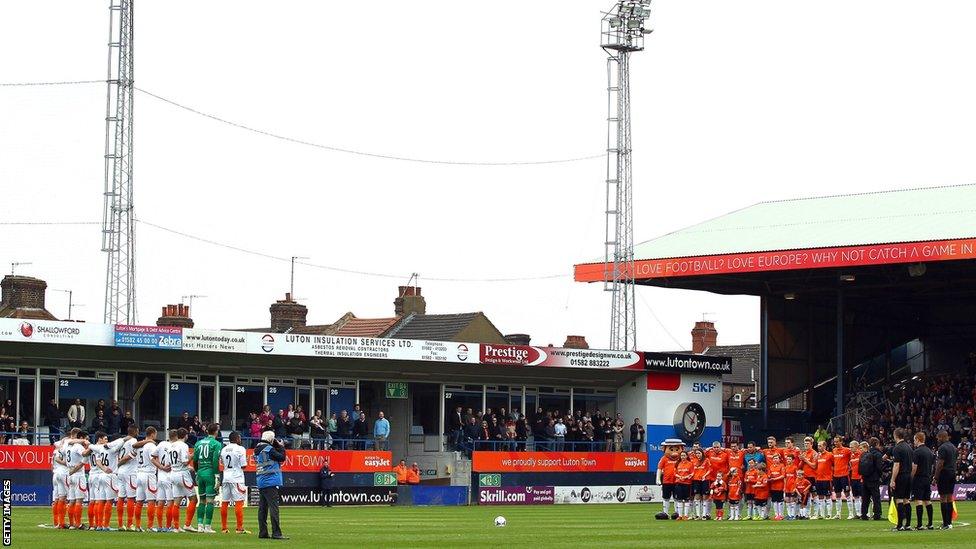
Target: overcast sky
{"type": "Point", "coordinates": [733, 103]}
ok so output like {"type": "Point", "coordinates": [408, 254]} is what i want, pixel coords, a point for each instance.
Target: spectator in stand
{"type": "Point", "coordinates": [521, 433]}
{"type": "Point", "coordinates": [278, 425]}
{"type": "Point", "coordinates": [344, 428]}
{"type": "Point", "coordinates": [326, 477]}
{"type": "Point", "coordinates": [618, 434]}
{"type": "Point", "coordinates": [637, 436]}
{"type": "Point", "coordinates": [483, 441]}
{"type": "Point", "coordinates": [356, 411]}
{"type": "Point", "coordinates": [52, 419]}
{"type": "Point", "coordinates": [266, 414]}
{"type": "Point", "coordinates": [559, 434]}
{"type": "Point", "coordinates": [296, 429]}
{"type": "Point", "coordinates": [25, 433]}
{"type": "Point", "coordinates": [76, 414]}
{"type": "Point", "coordinates": [255, 429]}
{"type": "Point", "coordinates": [99, 422]}
{"type": "Point", "coordinates": [468, 414]}
{"type": "Point", "coordinates": [550, 432]}
{"type": "Point", "coordinates": [381, 432]}
{"type": "Point", "coordinates": [317, 429]}
{"type": "Point", "coordinates": [100, 407]}
{"type": "Point", "coordinates": [127, 421]}
{"type": "Point", "coordinates": [360, 431]}
{"type": "Point", "coordinates": [7, 426]}
{"type": "Point", "coordinates": [413, 475]}
{"type": "Point", "coordinates": [455, 428]}
{"type": "Point", "coordinates": [332, 427]}
{"type": "Point", "coordinates": [185, 422]}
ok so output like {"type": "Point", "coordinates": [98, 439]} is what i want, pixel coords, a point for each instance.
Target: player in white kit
{"type": "Point", "coordinates": [164, 489]}
{"type": "Point", "coordinates": [59, 480]}
{"type": "Point", "coordinates": [232, 488]}
{"type": "Point", "coordinates": [181, 483]}
{"type": "Point", "coordinates": [146, 482]}
{"type": "Point", "coordinates": [75, 458]}
{"type": "Point", "coordinates": [103, 482]}
{"type": "Point", "coordinates": [128, 479]}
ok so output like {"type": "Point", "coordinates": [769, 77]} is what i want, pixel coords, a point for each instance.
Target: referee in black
{"type": "Point", "coordinates": [945, 477]}
{"type": "Point", "coordinates": [922, 462]}
{"type": "Point", "coordinates": [901, 480]}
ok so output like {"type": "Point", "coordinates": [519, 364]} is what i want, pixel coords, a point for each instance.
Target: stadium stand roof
{"type": "Point", "coordinates": [913, 215]}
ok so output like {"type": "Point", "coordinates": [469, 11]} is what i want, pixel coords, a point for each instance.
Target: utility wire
{"type": "Point", "coordinates": [38, 84]}
{"type": "Point", "coordinates": [50, 222]}
{"type": "Point", "coordinates": [364, 153]}
{"type": "Point", "coordinates": [677, 343]}
{"type": "Point", "coordinates": [340, 269]}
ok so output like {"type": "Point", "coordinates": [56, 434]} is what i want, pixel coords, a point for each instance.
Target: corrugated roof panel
{"type": "Point", "coordinates": [914, 215]}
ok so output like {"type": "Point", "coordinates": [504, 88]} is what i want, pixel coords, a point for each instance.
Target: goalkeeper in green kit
{"type": "Point", "coordinates": [206, 463]}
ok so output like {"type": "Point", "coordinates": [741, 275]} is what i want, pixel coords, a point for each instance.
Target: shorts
{"type": "Point", "coordinates": [776, 496]}
{"type": "Point", "coordinates": [841, 484]}
{"type": "Point", "coordinates": [181, 484]}
{"type": "Point", "coordinates": [803, 498]}
{"type": "Point", "coordinates": [699, 487]}
{"type": "Point", "coordinates": [946, 483]}
{"type": "Point", "coordinates": [667, 491]}
{"type": "Point", "coordinates": [233, 492]}
{"type": "Point", "coordinates": [921, 489]}
{"type": "Point", "coordinates": [146, 487]}
{"type": "Point", "coordinates": [823, 488]}
{"type": "Point", "coordinates": [750, 497]}
{"type": "Point", "coordinates": [857, 487]}
{"type": "Point", "coordinates": [733, 502]}
{"type": "Point", "coordinates": [164, 490]}
{"type": "Point", "coordinates": [682, 492]}
{"type": "Point", "coordinates": [96, 484]}
{"type": "Point", "coordinates": [207, 483]}
{"type": "Point", "coordinates": [760, 502]}
{"type": "Point", "coordinates": [128, 486]}
{"type": "Point", "coordinates": [59, 485]}
{"type": "Point", "coordinates": [903, 486]}
{"type": "Point", "coordinates": [719, 503]}
{"type": "Point", "coordinates": [77, 486]}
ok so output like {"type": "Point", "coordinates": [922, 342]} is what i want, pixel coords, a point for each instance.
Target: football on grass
{"type": "Point", "coordinates": [500, 521]}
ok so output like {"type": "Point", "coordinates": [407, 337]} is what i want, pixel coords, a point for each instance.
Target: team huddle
{"type": "Point", "coordinates": [153, 474]}
{"type": "Point", "coordinates": [790, 483]}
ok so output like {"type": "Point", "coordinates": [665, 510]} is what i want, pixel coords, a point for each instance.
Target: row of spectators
{"type": "Point", "coordinates": [343, 430]}
{"type": "Point", "coordinates": [544, 430]}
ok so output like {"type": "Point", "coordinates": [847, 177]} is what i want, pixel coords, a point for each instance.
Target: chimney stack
{"type": "Point", "coordinates": [703, 336]}
{"type": "Point", "coordinates": [22, 292]}
{"type": "Point", "coordinates": [287, 314]}
{"type": "Point", "coordinates": [409, 301]}
{"type": "Point", "coordinates": [518, 339]}
{"type": "Point", "coordinates": [175, 315]}
{"type": "Point", "coordinates": [576, 342]}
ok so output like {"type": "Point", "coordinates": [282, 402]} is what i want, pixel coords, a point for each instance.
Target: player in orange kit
{"type": "Point", "coordinates": [699, 486]}
{"type": "Point", "coordinates": [718, 490]}
{"type": "Point", "coordinates": [777, 477]}
{"type": "Point", "coordinates": [808, 464]}
{"type": "Point", "coordinates": [761, 488]}
{"type": "Point", "coordinates": [718, 462]}
{"type": "Point", "coordinates": [750, 483]}
{"type": "Point", "coordinates": [789, 486]}
{"type": "Point", "coordinates": [737, 460]}
{"type": "Point", "coordinates": [791, 450]}
{"type": "Point", "coordinates": [683, 472]}
{"type": "Point", "coordinates": [771, 450]}
{"type": "Point", "coordinates": [802, 494]}
{"type": "Point", "coordinates": [825, 463]}
{"type": "Point", "coordinates": [856, 484]}
{"type": "Point", "coordinates": [841, 477]}
{"type": "Point", "coordinates": [734, 483]}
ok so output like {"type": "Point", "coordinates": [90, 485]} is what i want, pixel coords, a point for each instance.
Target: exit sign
{"type": "Point", "coordinates": [396, 389]}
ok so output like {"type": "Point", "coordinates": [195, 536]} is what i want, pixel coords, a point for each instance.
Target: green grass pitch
{"type": "Point", "coordinates": [539, 526]}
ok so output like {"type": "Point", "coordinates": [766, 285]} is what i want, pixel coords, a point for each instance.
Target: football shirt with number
{"type": "Point", "coordinates": [206, 456]}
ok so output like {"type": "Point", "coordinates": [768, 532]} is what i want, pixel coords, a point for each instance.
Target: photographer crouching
{"type": "Point", "coordinates": [269, 455]}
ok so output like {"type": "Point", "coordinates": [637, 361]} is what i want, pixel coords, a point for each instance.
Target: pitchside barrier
{"type": "Point", "coordinates": [543, 478]}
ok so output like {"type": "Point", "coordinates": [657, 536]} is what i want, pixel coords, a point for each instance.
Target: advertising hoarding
{"type": "Point", "coordinates": [149, 337]}
{"type": "Point", "coordinates": [565, 462]}
{"type": "Point", "coordinates": [51, 331]}
{"type": "Point", "coordinates": [214, 341]}
{"type": "Point", "coordinates": [516, 495]}
{"type": "Point", "coordinates": [360, 347]}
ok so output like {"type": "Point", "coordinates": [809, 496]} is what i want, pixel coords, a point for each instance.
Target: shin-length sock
{"type": "Point", "coordinates": [223, 514]}
{"type": "Point", "coordinates": [151, 513]}
{"type": "Point", "coordinates": [208, 513]}
{"type": "Point", "coordinates": [107, 513]}
{"type": "Point", "coordinates": [928, 513]}
{"type": "Point", "coordinates": [239, 514]}
{"type": "Point", "coordinates": [191, 511]}
{"type": "Point", "coordinates": [918, 515]}
{"type": "Point", "coordinates": [160, 508]}
{"type": "Point", "coordinates": [130, 512]}
{"type": "Point", "coordinates": [137, 513]}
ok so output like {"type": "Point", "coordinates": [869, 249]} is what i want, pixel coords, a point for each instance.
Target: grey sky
{"type": "Point", "coordinates": [734, 103]}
